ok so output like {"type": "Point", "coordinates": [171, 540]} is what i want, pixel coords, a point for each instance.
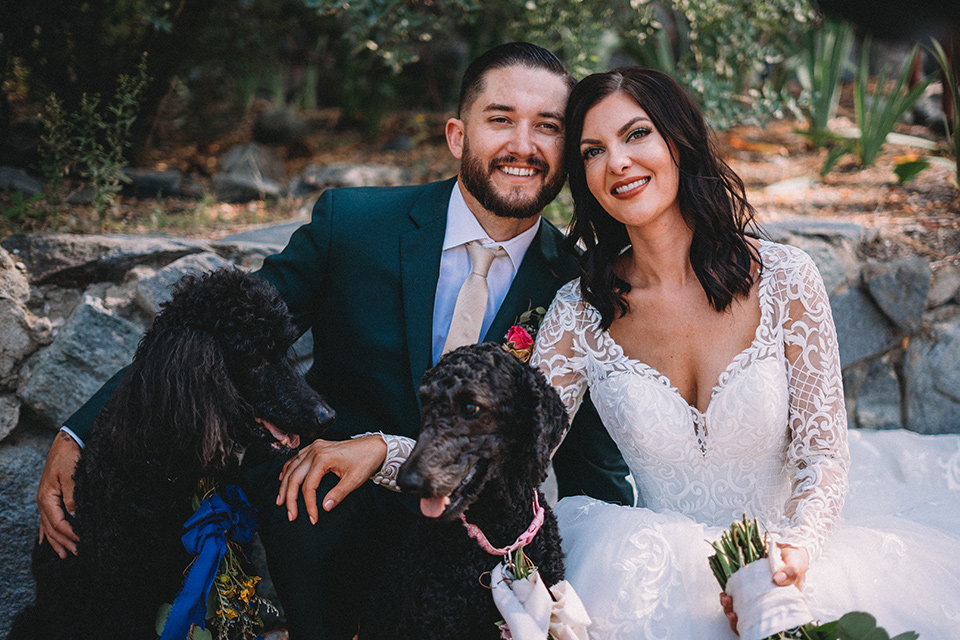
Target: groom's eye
{"type": "Point", "coordinates": [470, 410]}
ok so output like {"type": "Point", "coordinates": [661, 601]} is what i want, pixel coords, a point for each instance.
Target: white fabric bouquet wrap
{"type": "Point", "coordinates": [531, 611]}
{"type": "Point", "coordinates": [764, 608]}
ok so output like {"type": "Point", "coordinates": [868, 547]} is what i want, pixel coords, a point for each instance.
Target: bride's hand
{"type": "Point", "coordinates": [796, 561]}
{"type": "Point", "coordinates": [353, 461]}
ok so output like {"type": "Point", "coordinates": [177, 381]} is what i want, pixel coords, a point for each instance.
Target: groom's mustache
{"type": "Point", "coordinates": [536, 163]}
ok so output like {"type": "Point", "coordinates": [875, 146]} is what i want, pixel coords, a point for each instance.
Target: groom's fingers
{"type": "Point", "coordinates": [727, 603]}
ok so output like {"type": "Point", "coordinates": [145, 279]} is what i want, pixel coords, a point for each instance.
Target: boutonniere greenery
{"type": "Point", "coordinates": [521, 336]}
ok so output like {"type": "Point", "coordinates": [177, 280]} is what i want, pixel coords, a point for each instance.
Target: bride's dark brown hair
{"type": "Point", "coordinates": [711, 196]}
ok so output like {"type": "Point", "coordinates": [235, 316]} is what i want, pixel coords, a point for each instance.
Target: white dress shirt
{"type": "Point", "coordinates": [463, 227]}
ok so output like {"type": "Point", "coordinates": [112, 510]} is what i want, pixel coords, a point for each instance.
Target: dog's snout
{"type": "Point", "coordinates": [410, 480]}
{"type": "Point", "coordinates": [325, 416]}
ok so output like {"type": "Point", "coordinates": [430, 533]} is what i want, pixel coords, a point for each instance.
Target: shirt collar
{"type": "Point", "coordinates": [463, 227]}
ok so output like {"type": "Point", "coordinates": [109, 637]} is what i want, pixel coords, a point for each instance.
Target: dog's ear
{"type": "Point", "coordinates": [176, 398]}
{"type": "Point", "coordinates": [550, 421]}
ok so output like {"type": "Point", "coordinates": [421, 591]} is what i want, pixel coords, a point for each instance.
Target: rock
{"type": "Point", "coordinates": [320, 177]}
{"type": "Point", "coordinates": [944, 286]}
{"type": "Point", "coordinates": [878, 399]}
{"type": "Point", "coordinates": [241, 187]}
{"type": "Point", "coordinates": [21, 335]}
{"type": "Point", "coordinates": [152, 184]}
{"type": "Point", "coordinates": [826, 228]}
{"type": "Point", "coordinates": [92, 345]}
{"type": "Point", "coordinates": [248, 255]}
{"type": "Point", "coordinates": [9, 414]}
{"type": "Point", "coordinates": [900, 289]}
{"type": "Point", "coordinates": [76, 261]}
{"type": "Point", "coordinates": [280, 126]}
{"type": "Point", "coordinates": [837, 261]}
{"type": "Point", "coordinates": [862, 330]}
{"type": "Point", "coordinates": [14, 179]}
{"type": "Point", "coordinates": [249, 172]}
{"type": "Point", "coordinates": [932, 373]}
{"type": "Point", "coordinates": [790, 186]}
{"type": "Point", "coordinates": [13, 283]}
{"type": "Point", "coordinates": [154, 291]}
{"type": "Point", "coordinates": [21, 461]}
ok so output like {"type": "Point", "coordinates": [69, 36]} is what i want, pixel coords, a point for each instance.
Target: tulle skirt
{"type": "Point", "coordinates": [643, 574]}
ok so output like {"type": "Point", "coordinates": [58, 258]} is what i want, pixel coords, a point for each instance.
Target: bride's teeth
{"type": "Point", "coordinates": [517, 171]}
{"type": "Point", "coordinates": [632, 185]}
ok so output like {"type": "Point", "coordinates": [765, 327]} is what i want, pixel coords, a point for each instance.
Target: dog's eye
{"type": "Point", "coordinates": [470, 410]}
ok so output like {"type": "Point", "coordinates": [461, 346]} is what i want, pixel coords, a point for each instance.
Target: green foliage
{"type": "Point", "coordinates": [878, 112]}
{"type": "Point", "coordinates": [819, 63]}
{"type": "Point", "coordinates": [19, 208]}
{"type": "Point", "coordinates": [951, 87]}
{"type": "Point", "coordinates": [90, 142]}
{"type": "Point", "coordinates": [908, 169]}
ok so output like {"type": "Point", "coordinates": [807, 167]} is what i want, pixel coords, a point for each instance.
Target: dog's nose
{"type": "Point", "coordinates": [325, 416]}
{"type": "Point", "coordinates": [410, 480]}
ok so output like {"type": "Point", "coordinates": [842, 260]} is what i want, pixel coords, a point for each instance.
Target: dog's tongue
{"type": "Point", "coordinates": [289, 440]}
{"type": "Point", "coordinates": [433, 507]}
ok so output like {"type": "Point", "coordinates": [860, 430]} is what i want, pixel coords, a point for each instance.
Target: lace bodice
{"type": "Point", "coordinates": [772, 441]}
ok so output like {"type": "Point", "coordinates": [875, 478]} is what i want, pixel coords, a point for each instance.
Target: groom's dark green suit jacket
{"type": "Point", "coordinates": [363, 275]}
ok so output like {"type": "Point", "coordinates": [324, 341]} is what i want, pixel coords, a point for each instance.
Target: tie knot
{"type": "Point", "coordinates": [481, 257]}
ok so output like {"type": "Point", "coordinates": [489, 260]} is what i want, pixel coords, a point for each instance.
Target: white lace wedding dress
{"type": "Point", "coordinates": [773, 444]}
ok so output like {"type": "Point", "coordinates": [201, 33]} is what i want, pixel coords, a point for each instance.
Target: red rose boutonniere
{"type": "Point", "coordinates": [520, 337]}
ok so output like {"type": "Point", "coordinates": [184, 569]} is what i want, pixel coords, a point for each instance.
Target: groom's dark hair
{"type": "Point", "coordinates": [510, 54]}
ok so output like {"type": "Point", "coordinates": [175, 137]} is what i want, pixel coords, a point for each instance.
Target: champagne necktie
{"type": "Point", "coordinates": [472, 299]}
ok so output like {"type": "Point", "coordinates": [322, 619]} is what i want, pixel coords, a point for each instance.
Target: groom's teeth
{"type": "Point", "coordinates": [632, 185]}
{"type": "Point", "coordinates": [517, 171]}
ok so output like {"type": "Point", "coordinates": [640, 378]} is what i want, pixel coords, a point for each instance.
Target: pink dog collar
{"type": "Point", "coordinates": [474, 532]}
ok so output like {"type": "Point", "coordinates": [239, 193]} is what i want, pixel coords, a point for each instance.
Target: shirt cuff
{"type": "Point", "coordinates": [398, 450]}
{"type": "Point", "coordinates": [70, 433]}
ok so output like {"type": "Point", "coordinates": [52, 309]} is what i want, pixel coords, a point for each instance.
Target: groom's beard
{"type": "Point", "coordinates": [478, 181]}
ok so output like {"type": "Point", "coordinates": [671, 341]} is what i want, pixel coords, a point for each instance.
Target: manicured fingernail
{"type": "Point", "coordinates": [328, 505]}
{"type": "Point", "coordinates": [290, 516]}
{"type": "Point", "coordinates": [313, 520]}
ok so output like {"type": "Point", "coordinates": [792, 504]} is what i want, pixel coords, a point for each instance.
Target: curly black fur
{"type": "Point", "coordinates": [212, 368]}
{"type": "Point", "coordinates": [489, 425]}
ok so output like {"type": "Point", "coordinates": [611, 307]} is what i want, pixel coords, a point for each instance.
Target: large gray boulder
{"type": "Point", "coordinates": [932, 372]}
{"type": "Point", "coordinates": [319, 177]}
{"type": "Point", "coordinates": [249, 172]}
{"type": "Point", "coordinates": [877, 400]}
{"type": "Point", "coordinates": [76, 261]}
{"type": "Point", "coordinates": [21, 462]}
{"type": "Point", "coordinates": [91, 346]}
{"type": "Point", "coordinates": [900, 289]}
{"type": "Point", "coordinates": [155, 290]}
{"type": "Point", "coordinates": [862, 330]}
{"type": "Point", "coordinates": [9, 414]}
{"type": "Point", "coordinates": [20, 331]}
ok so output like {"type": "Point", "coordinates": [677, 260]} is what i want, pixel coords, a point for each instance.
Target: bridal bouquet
{"type": "Point", "coordinates": [744, 565]}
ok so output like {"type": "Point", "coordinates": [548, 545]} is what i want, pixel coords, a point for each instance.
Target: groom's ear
{"type": "Point", "coordinates": [455, 134]}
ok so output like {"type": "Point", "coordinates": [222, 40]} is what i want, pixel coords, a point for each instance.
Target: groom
{"type": "Point", "coordinates": [376, 275]}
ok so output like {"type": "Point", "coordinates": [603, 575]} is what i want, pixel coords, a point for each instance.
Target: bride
{"type": "Point", "coordinates": [712, 359]}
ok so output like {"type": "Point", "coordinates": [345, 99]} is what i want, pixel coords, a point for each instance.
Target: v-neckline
{"type": "Point", "coordinates": [723, 380]}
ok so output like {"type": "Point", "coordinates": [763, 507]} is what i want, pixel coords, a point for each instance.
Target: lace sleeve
{"type": "Point", "coordinates": [398, 450]}
{"type": "Point", "coordinates": [817, 455]}
{"type": "Point", "coordinates": [556, 353]}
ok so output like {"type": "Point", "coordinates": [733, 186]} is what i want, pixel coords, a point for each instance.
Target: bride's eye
{"type": "Point", "coordinates": [591, 152]}
{"type": "Point", "coordinates": [638, 133]}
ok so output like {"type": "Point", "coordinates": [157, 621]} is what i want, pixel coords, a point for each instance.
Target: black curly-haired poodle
{"type": "Point", "coordinates": [209, 380]}
{"type": "Point", "coordinates": [489, 425]}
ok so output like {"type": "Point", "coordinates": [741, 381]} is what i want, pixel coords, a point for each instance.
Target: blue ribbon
{"type": "Point", "coordinates": [206, 537]}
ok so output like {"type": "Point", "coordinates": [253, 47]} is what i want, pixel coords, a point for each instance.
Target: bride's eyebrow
{"type": "Point", "coordinates": [622, 130]}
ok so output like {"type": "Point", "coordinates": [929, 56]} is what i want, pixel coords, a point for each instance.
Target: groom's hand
{"type": "Point", "coordinates": [353, 461]}
{"type": "Point", "coordinates": [55, 495]}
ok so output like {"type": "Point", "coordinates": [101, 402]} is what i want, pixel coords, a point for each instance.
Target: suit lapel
{"type": "Point", "coordinates": [419, 272]}
{"type": "Point", "coordinates": [534, 281]}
